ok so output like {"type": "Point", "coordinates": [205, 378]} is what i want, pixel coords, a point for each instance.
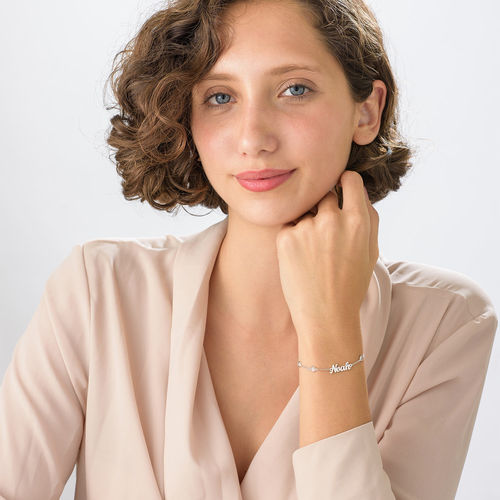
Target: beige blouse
{"type": "Point", "coordinates": [111, 374]}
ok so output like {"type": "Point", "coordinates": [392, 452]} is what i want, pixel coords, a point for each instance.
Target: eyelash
{"type": "Point", "coordinates": [296, 97]}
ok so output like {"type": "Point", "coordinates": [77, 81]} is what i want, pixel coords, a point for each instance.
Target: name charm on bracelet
{"type": "Point", "coordinates": [335, 368]}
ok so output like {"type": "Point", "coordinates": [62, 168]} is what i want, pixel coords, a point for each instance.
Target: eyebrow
{"type": "Point", "coordinates": [279, 70]}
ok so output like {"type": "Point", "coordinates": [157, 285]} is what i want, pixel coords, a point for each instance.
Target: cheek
{"type": "Point", "coordinates": [323, 133]}
{"type": "Point", "coordinates": [209, 137]}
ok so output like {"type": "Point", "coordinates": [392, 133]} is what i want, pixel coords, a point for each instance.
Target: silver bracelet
{"type": "Point", "coordinates": [334, 368]}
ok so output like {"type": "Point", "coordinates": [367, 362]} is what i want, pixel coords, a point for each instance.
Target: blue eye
{"type": "Point", "coordinates": [295, 97]}
{"type": "Point", "coordinates": [297, 85]}
{"type": "Point", "coordinates": [215, 95]}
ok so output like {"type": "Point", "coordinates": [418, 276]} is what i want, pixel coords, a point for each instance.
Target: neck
{"type": "Point", "coordinates": [245, 286]}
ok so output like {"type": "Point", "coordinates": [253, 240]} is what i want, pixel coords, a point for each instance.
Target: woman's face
{"type": "Point", "coordinates": [257, 117]}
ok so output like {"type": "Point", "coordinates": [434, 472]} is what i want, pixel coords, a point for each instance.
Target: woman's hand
{"type": "Point", "coordinates": [326, 260]}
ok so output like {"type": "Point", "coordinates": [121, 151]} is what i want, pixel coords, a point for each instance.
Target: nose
{"type": "Point", "coordinates": [257, 130]}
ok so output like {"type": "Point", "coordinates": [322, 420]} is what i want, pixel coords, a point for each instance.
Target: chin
{"type": "Point", "coordinates": [266, 217]}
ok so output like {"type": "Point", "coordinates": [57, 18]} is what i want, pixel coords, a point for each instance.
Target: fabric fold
{"type": "Point", "coordinates": [347, 465]}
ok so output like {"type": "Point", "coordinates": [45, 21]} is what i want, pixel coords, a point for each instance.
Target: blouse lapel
{"type": "Point", "coordinates": [270, 474]}
{"type": "Point", "coordinates": [198, 459]}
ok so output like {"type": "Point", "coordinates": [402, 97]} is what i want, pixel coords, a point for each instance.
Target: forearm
{"type": "Point", "coordinates": [331, 403]}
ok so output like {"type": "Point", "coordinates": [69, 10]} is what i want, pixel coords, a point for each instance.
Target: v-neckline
{"type": "Point", "coordinates": [278, 422]}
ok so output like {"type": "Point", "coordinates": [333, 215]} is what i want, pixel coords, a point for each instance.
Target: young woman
{"type": "Point", "coordinates": [276, 354]}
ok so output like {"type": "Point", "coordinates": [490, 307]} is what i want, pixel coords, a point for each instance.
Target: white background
{"type": "Point", "coordinates": [59, 188]}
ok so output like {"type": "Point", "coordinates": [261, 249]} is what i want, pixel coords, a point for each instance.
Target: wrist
{"type": "Point", "coordinates": [324, 356]}
{"type": "Point", "coordinates": [339, 335]}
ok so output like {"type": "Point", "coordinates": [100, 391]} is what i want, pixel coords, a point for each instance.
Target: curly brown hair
{"type": "Point", "coordinates": [153, 76]}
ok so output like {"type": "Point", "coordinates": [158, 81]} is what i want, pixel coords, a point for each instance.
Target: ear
{"type": "Point", "coordinates": [369, 113]}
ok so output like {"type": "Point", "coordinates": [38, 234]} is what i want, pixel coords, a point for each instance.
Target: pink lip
{"type": "Point", "coordinates": [261, 174]}
{"type": "Point", "coordinates": [259, 185]}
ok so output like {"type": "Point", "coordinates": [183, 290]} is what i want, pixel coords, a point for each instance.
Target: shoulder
{"type": "Point", "coordinates": [89, 264]}
{"type": "Point", "coordinates": [109, 250]}
{"type": "Point", "coordinates": [433, 284]}
{"type": "Point", "coordinates": [438, 309]}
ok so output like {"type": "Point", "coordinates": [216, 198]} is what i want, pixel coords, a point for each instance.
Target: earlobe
{"type": "Point", "coordinates": [370, 113]}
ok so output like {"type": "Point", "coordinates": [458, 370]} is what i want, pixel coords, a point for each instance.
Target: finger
{"type": "Point", "coordinates": [307, 215]}
{"type": "Point", "coordinates": [354, 199]}
{"type": "Point", "coordinates": [374, 225]}
{"type": "Point", "coordinates": [330, 201]}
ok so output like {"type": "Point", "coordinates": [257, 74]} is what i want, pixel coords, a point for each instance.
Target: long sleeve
{"type": "Point", "coordinates": [43, 392]}
{"type": "Point", "coordinates": [423, 449]}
